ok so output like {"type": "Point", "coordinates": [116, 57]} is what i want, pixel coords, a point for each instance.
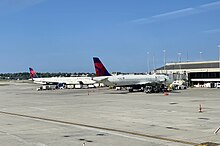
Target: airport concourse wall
{"type": "Point", "coordinates": [193, 72]}
{"type": "Point", "coordinates": [195, 78]}
{"type": "Point", "coordinates": [201, 78]}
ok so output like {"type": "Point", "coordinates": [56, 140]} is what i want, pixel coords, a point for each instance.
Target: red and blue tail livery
{"type": "Point", "coordinates": [32, 73]}
{"type": "Point", "coordinates": [100, 68]}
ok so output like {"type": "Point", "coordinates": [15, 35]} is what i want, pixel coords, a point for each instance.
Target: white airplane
{"type": "Point", "coordinates": [61, 80]}
{"type": "Point", "coordinates": [148, 83]}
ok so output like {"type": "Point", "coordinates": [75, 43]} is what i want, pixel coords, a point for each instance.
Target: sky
{"type": "Point", "coordinates": [127, 35]}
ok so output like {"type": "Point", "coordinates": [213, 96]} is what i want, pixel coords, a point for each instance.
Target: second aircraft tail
{"type": "Point", "coordinates": [32, 73]}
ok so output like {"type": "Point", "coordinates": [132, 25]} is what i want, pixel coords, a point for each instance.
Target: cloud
{"type": "Point", "coordinates": [175, 13]}
{"type": "Point", "coordinates": [211, 5]}
{"type": "Point", "coordinates": [178, 13]}
{"type": "Point", "coordinates": [143, 20]}
{"type": "Point", "coordinates": [164, 16]}
{"type": "Point", "coordinates": [212, 31]}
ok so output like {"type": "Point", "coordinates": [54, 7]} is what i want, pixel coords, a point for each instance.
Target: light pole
{"type": "Point", "coordinates": [148, 63]}
{"type": "Point", "coordinates": [179, 54]}
{"type": "Point", "coordinates": [219, 55]}
{"type": "Point", "coordinates": [200, 56]}
{"type": "Point", "coordinates": [154, 63]}
{"type": "Point", "coordinates": [187, 56]}
{"type": "Point", "coordinates": [164, 60]}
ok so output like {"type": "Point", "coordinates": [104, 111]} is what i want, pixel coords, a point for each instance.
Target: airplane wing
{"type": "Point", "coordinates": [100, 79]}
{"type": "Point", "coordinates": [144, 83]}
{"type": "Point", "coordinates": [149, 83]}
{"type": "Point", "coordinates": [72, 82]}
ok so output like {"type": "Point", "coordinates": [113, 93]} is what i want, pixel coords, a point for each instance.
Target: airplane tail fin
{"type": "Point", "coordinates": [100, 68]}
{"type": "Point", "coordinates": [32, 73]}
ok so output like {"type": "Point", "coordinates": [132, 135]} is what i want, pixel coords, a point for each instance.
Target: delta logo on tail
{"type": "Point", "coordinates": [100, 68]}
{"type": "Point", "coordinates": [33, 73]}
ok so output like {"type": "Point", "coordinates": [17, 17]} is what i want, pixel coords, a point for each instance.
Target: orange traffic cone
{"type": "Point", "coordinates": [165, 94]}
{"type": "Point", "coordinates": [200, 108]}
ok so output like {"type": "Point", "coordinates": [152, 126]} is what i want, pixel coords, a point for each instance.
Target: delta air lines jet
{"type": "Point", "coordinates": [59, 80]}
{"type": "Point", "coordinates": [148, 83]}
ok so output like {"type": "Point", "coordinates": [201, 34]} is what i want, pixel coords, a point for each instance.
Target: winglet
{"type": "Point", "coordinates": [100, 68]}
{"type": "Point", "coordinates": [32, 73]}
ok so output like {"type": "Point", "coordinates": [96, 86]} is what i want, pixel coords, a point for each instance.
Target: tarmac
{"type": "Point", "coordinates": [106, 117]}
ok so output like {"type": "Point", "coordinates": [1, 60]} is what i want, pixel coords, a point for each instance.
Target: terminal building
{"type": "Point", "coordinates": [195, 73]}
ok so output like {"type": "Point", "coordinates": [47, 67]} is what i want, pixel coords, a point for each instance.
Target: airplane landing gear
{"type": "Point", "coordinates": [130, 89]}
{"type": "Point", "coordinates": [148, 89]}
{"type": "Point", "coordinates": [151, 89]}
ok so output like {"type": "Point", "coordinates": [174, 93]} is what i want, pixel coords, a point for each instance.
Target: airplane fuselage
{"type": "Point", "coordinates": [132, 80]}
{"type": "Point", "coordinates": [65, 80]}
